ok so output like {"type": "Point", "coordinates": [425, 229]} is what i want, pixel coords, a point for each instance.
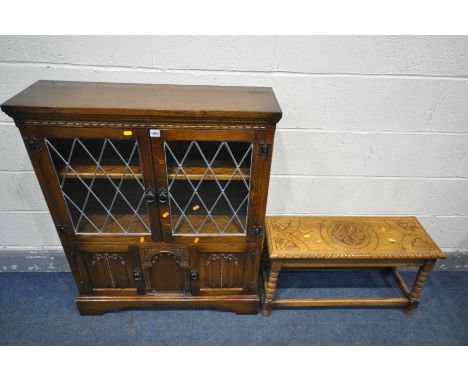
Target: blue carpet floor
{"type": "Point", "coordinates": [39, 309]}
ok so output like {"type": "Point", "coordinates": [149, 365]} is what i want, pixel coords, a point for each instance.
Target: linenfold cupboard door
{"type": "Point", "coordinates": [205, 184]}
{"type": "Point", "coordinates": [105, 269]}
{"type": "Point", "coordinates": [225, 272]}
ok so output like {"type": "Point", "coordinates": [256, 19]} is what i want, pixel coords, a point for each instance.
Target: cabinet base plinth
{"type": "Point", "coordinates": [92, 305]}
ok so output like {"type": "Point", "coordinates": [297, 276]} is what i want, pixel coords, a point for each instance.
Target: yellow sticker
{"type": "Point", "coordinates": [128, 132]}
{"type": "Point", "coordinates": [196, 240]}
{"type": "Point", "coordinates": [306, 235]}
{"type": "Point", "coordinates": [195, 207]}
{"type": "Point", "coordinates": [165, 214]}
{"type": "Point", "coordinates": [391, 240]}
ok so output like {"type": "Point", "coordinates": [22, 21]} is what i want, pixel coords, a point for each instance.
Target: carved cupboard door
{"type": "Point", "coordinates": [224, 273]}
{"type": "Point", "coordinates": [166, 269]}
{"type": "Point", "coordinates": [103, 270]}
{"type": "Point", "coordinates": [224, 270]}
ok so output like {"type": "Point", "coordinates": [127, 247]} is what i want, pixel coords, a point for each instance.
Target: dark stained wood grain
{"type": "Point", "coordinates": [145, 100]}
{"type": "Point", "coordinates": [111, 270]}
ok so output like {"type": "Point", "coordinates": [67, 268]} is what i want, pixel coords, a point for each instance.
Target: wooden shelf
{"type": "Point", "coordinates": [222, 172]}
{"type": "Point", "coordinates": [184, 228]}
{"type": "Point", "coordinates": [113, 172]}
{"type": "Point", "coordinates": [111, 225]}
{"type": "Point", "coordinates": [116, 172]}
{"type": "Point", "coordinates": [209, 228]}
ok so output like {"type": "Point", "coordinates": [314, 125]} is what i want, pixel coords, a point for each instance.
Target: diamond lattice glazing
{"type": "Point", "coordinates": [101, 181]}
{"type": "Point", "coordinates": [209, 186]}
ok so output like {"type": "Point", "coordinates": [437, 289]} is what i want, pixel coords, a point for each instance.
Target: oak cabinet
{"type": "Point", "coordinates": [158, 192]}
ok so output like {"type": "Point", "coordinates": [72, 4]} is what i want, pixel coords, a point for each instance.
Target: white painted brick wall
{"type": "Point", "coordinates": [371, 125]}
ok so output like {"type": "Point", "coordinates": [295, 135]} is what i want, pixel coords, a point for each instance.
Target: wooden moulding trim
{"type": "Point", "coordinates": [351, 255]}
{"type": "Point", "coordinates": [176, 299]}
{"type": "Point", "coordinates": [346, 263]}
{"type": "Point", "coordinates": [131, 125]}
{"type": "Point", "coordinates": [240, 306]}
{"type": "Point", "coordinates": [25, 112]}
{"type": "Point", "coordinates": [115, 292]}
{"type": "Point", "coordinates": [243, 304]}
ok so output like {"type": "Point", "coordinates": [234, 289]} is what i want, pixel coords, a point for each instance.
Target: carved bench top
{"type": "Point", "coordinates": [335, 237]}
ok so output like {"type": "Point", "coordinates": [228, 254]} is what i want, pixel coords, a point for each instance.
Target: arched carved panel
{"type": "Point", "coordinates": [165, 269]}
{"type": "Point", "coordinates": [180, 254]}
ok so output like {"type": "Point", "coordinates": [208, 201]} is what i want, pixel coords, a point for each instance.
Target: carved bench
{"type": "Point", "coordinates": [298, 242]}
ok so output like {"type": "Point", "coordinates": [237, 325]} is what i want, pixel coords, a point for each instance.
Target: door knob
{"type": "Point", "coordinates": [150, 195]}
{"type": "Point", "coordinates": [162, 195]}
{"type": "Point", "coordinates": [137, 273]}
{"type": "Point", "coordinates": [194, 275]}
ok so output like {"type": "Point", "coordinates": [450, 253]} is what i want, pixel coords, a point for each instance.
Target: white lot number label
{"type": "Point", "coordinates": [154, 133]}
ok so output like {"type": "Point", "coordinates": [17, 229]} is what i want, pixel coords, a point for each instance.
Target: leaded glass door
{"type": "Point", "coordinates": [101, 176]}
{"type": "Point", "coordinates": [204, 184]}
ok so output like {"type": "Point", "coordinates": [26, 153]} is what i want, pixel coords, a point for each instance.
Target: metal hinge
{"type": "Point", "coordinates": [264, 149]}
{"type": "Point", "coordinates": [257, 231]}
{"type": "Point", "coordinates": [61, 229]}
{"type": "Point", "coordinates": [32, 145]}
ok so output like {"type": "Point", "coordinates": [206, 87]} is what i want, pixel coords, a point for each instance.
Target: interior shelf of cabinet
{"type": "Point", "coordinates": [209, 227]}
{"type": "Point", "coordinates": [183, 229]}
{"type": "Point", "coordinates": [112, 171]}
{"type": "Point", "coordinates": [117, 172]}
{"type": "Point", "coordinates": [222, 171]}
{"type": "Point", "coordinates": [112, 227]}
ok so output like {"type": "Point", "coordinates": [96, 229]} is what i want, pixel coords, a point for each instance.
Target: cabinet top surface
{"type": "Point", "coordinates": [145, 100]}
{"type": "Point", "coordinates": [335, 237]}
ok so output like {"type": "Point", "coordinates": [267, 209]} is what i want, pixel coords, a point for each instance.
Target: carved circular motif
{"type": "Point", "coordinates": [406, 225]}
{"type": "Point", "coordinates": [285, 225]}
{"type": "Point", "coordinates": [286, 244]}
{"type": "Point", "coordinates": [349, 235]}
{"type": "Point", "coordinates": [421, 243]}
